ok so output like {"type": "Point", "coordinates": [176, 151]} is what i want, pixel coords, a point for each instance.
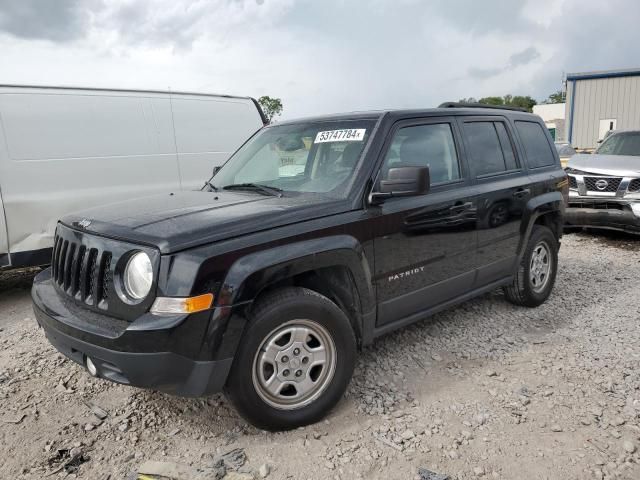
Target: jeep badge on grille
{"type": "Point", "coordinates": [84, 223]}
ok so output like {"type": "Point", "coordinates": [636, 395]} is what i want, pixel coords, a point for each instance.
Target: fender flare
{"type": "Point", "coordinates": [248, 275]}
{"type": "Point", "coordinates": [550, 202]}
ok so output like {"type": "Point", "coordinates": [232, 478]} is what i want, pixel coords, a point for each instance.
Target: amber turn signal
{"type": "Point", "coordinates": [173, 305]}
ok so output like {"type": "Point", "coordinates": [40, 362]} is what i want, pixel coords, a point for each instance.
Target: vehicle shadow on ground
{"type": "Point", "coordinates": [612, 238]}
{"type": "Point", "coordinates": [436, 350]}
{"type": "Point", "coordinates": [430, 353]}
{"type": "Point", "coordinates": [17, 280]}
{"type": "Point", "coordinates": [478, 331]}
{"type": "Point", "coordinates": [15, 288]}
{"type": "Point", "coordinates": [447, 345]}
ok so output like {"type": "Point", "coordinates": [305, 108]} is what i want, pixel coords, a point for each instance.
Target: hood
{"type": "Point", "coordinates": [176, 221]}
{"type": "Point", "coordinates": [620, 165]}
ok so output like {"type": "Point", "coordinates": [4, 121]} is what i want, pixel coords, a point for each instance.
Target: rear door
{"type": "Point", "coordinates": [425, 245]}
{"type": "Point", "coordinates": [503, 191]}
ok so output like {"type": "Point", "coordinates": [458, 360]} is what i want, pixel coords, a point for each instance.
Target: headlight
{"type": "Point", "coordinates": [138, 276]}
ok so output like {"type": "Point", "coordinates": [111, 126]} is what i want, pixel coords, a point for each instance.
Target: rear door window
{"type": "Point", "coordinates": [490, 148]}
{"type": "Point", "coordinates": [535, 143]}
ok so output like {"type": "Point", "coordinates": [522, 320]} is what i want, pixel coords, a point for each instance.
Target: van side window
{"type": "Point", "coordinates": [536, 145]}
{"type": "Point", "coordinates": [490, 148]}
{"type": "Point", "coordinates": [429, 145]}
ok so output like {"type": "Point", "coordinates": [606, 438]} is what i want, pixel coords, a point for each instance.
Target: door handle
{"type": "Point", "coordinates": [461, 207]}
{"type": "Point", "coordinates": [521, 192]}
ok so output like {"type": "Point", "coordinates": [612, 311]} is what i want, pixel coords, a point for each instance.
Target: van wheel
{"type": "Point", "coordinates": [295, 361]}
{"type": "Point", "coordinates": [536, 274]}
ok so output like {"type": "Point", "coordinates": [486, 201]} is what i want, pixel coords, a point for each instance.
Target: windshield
{"type": "Point", "coordinates": [310, 157]}
{"type": "Point", "coordinates": [621, 144]}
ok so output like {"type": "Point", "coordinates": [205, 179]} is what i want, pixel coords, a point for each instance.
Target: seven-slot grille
{"type": "Point", "coordinates": [602, 184]}
{"type": "Point", "coordinates": [81, 272]}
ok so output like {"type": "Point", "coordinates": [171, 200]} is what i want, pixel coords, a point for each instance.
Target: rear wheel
{"type": "Point", "coordinates": [296, 361]}
{"type": "Point", "coordinates": [536, 273]}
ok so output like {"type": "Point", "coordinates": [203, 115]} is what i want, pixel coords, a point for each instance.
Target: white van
{"type": "Point", "coordinates": [67, 149]}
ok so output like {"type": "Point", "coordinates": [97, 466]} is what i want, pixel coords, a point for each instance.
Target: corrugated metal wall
{"type": "Point", "coordinates": [596, 99]}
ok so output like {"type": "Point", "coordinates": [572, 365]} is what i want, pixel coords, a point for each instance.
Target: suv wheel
{"type": "Point", "coordinates": [536, 274]}
{"type": "Point", "coordinates": [295, 362]}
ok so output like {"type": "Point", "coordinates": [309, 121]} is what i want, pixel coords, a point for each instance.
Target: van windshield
{"type": "Point", "coordinates": [314, 157]}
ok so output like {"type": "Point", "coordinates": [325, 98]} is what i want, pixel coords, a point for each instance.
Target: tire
{"type": "Point", "coordinates": [285, 328]}
{"type": "Point", "coordinates": [532, 290]}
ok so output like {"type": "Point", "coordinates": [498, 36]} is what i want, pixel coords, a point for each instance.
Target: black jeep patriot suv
{"type": "Point", "coordinates": [316, 237]}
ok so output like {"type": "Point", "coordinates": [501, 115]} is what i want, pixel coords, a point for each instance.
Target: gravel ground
{"type": "Point", "coordinates": [484, 390]}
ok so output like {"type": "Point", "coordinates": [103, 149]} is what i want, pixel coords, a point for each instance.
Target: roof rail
{"type": "Point", "coordinates": [481, 105]}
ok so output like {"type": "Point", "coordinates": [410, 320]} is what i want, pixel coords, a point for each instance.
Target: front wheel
{"type": "Point", "coordinates": [296, 361]}
{"type": "Point", "coordinates": [536, 273]}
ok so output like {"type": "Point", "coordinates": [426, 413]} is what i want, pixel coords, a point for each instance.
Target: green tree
{"type": "Point", "coordinates": [522, 102]}
{"type": "Point", "coordinates": [271, 106]}
{"type": "Point", "coordinates": [492, 100]}
{"type": "Point", "coordinates": [557, 97]}
{"type": "Point", "coordinates": [509, 100]}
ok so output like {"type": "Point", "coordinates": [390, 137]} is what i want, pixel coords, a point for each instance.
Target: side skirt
{"type": "Point", "coordinates": [383, 330]}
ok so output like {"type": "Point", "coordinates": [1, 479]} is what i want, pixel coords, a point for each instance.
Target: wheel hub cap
{"type": "Point", "coordinates": [294, 365]}
{"type": "Point", "coordinates": [540, 267]}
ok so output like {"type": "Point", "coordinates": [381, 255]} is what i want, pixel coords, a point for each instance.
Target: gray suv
{"type": "Point", "coordinates": [604, 187]}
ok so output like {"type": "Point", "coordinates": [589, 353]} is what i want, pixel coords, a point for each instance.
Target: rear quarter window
{"type": "Point", "coordinates": [537, 150]}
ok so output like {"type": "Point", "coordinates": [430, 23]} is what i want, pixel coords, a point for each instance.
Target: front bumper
{"type": "Point", "coordinates": [603, 212]}
{"type": "Point", "coordinates": [136, 354]}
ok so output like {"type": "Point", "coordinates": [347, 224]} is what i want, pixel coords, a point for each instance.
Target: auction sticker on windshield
{"type": "Point", "coordinates": [345, 135]}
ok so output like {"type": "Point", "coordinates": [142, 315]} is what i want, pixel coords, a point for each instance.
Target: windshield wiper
{"type": "Point", "coordinates": [211, 186]}
{"type": "Point", "coordinates": [264, 189]}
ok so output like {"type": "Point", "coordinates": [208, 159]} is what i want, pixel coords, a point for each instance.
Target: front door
{"type": "Point", "coordinates": [425, 245]}
{"type": "Point", "coordinates": [503, 191]}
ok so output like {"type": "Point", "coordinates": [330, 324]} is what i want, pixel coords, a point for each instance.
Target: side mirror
{"type": "Point", "coordinates": [403, 182]}
{"type": "Point", "coordinates": [216, 170]}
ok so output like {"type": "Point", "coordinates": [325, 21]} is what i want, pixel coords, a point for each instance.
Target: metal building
{"type": "Point", "coordinates": [601, 101]}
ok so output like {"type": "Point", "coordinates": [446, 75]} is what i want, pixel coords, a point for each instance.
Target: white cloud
{"type": "Point", "coordinates": [319, 57]}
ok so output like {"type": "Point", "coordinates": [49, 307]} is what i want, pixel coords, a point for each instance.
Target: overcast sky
{"type": "Point", "coordinates": [319, 56]}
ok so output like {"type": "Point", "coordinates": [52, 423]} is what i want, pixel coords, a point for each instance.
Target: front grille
{"type": "Point", "coordinates": [573, 183]}
{"type": "Point", "coordinates": [82, 273]}
{"type": "Point", "coordinates": [607, 184]}
{"type": "Point", "coordinates": [596, 204]}
{"type": "Point", "coordinates": [634, 185]}
{"type": "Point", "coordinates": [84, 267]}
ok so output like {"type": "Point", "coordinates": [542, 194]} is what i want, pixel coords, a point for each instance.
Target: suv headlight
{"type": "Point", "coordinates": [138, 276]}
